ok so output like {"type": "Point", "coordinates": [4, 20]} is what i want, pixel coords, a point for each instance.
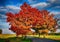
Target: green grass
{"type": "Point", "coordinates": [14, 39]}
{"type": "Point", "coordinates": [2, 40]}
{"type": "Point", "coordinates": [19, 39]}
{"type": "Point", "coordinates": [54, 37]}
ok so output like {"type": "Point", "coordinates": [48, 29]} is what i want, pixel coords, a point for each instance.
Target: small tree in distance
{"type": "Point", "coordinates": [0, 31]}
{"type": "Point", "coordinates": [31, 18]}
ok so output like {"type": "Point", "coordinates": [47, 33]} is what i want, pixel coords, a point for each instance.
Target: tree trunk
{"type": "Point", "coordinates": [0, 31]}
{"type": "Point", "coordinates": [16, 36]}
{"type": "Point", "coordinates": [39, 34]}
{"type": "Point", "coordinates": [25, 36]}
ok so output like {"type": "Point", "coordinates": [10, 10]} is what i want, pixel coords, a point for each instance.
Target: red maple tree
{"type": "Point", "coordinates": [29, 17]}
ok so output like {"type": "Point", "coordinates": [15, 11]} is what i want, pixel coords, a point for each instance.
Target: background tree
{"type": "Point", "coordinates": [0, 31]}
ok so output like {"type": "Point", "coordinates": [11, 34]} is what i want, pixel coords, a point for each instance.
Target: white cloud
{"type": "Point", "coordinates": [3, 10]}
{"type": "Point", "coordinates": [1, 7]}
{"type": "Point", "coordinates": [58, 31]}
{"type": "Point", "coordinates": [32, 1]}
{"type": "Point", "coordinates": [5, 28]}
{"type": "Point", "coordinates": [7, 31]}
{"type": "Point", "coordinates": [55, 12]}
{"type": "Point", "coordinates": [12, 7]}
{"type": "Point", "coordinates": [54, 1]}
{"type": "Point", "coordinates": [2, 16]}
{"type": "Point", "coordinates": [55, 8]}
{"type": "Point", "coordinates": [9, 8]}
{"type": "Point", "coordinates": [41, 4]}
{"type": "Point", "coordinates": [51, 1]}
{"type": "Point", "coordinates": [4, 25]}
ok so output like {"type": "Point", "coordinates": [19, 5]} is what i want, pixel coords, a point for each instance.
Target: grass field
{"type": "Point", "coordinates": [55, 37]}
{"type": "Point", "coordinates": [12, 37]}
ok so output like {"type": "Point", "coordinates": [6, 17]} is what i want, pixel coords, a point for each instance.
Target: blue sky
{"type": "Point", "coordinates": [53, 6]}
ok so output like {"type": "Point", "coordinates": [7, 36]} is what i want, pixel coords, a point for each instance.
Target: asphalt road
{"type": "Point", "coordinates": [43, 40]}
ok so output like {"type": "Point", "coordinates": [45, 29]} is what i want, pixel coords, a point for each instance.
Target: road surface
{"type": "Point", "coordinates": [43, 40]}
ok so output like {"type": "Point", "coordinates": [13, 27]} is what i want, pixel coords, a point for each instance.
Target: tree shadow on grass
{"type": "Point", "coordinates": [20, 39]}
{"type": "Point", "coordinates": [14, 39]}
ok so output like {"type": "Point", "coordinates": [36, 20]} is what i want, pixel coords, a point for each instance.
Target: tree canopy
{"type": "Point", "coordinates": [28, 18]}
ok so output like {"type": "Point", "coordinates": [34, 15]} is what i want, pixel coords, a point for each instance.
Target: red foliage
{"type": "Point", "coordinates": [22, 21]}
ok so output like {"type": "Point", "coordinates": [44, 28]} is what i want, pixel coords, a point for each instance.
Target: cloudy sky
{"type": "Point", "coordinates": [14, 6]}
